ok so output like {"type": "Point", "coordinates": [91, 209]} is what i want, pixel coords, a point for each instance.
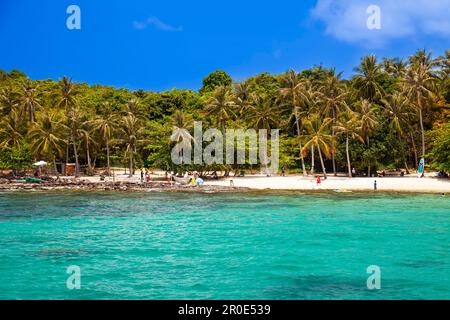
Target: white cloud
{"type": "Point", "coordinates": [346, 19]}
{"type": "Point", "coordinates": [158, 24]}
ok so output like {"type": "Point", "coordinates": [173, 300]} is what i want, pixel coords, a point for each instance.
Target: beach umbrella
{"type": "Point", "coordinates": [40, 164]}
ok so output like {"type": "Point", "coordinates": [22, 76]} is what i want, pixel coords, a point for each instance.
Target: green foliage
{"type": "Point", "coordinates": [440, 152]}
{"type": "Point", "coordinates": [215, 79]}
{"type": "Point", "coordinates": [16, 157]}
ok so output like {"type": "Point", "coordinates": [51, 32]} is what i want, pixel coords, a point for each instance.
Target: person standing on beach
{"type": "Point", "coordinates": [375, 185]}
{"type": "Point", "coordinates": [318, 181]}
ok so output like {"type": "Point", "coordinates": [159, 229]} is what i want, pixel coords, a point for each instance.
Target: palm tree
{"type": "Point", "coordinates": [221, 105]}
{"type": "Point", "coordinates": [67, 102]}
{"type": "Point", "coordinates": [349, 126]}
{"type": "Point", "coordinates": [46, 137]}
{"type": "Point", "coordinates": [369, 77]}
{"type": "Point", "coordinates": [11, 130]}
{"type": "Point", "coordinates": [366, 114]}
{"type": "Point", "coordinates": [30, 99]}
{"type": "Point", "coordinates": [331, 97]}
{"type": "Point", "coordinates": [106, 125]}
{"type": "Point", "coordinates": [318, 135]}
{"type": "Point", "coordinates": [419, 82]}
{"type": "Point", "coordinates": [8, 101]}
{"type": "Point", "coordinates": [263, 113]}
{"type": "Point", "coordinates": [88, 135]}
{"type": "Point", "coordinates": [243, 95]}
{"type": "Point", "coordinates": [131, 130]}
{"type": "Point", "coordinates": [398, 111]}
{"type": "Point", "coordinates": [180, 134]}
{"type": "Point", "coordinates": [295, 91]}
{"type": "Point", "coordinates": [133, 107]}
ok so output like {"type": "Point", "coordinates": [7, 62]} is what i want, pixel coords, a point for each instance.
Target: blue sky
{"type": "Point", "coordinates": [159, 45]}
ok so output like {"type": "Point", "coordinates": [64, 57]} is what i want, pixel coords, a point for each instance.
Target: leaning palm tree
{"type": "Point", "coordinates": [318, 135]}
{"type": "Point", "coordinates": [419, 82]}
{"type": "Point", "coordinates": [131, 131]}
{"type": "Point", "coordinates": [331, 98]}
{"type": "Point", "coordinates": [106, 124]}
{"type": "Point", "coordinates": [47, 137]}
{"type": "Point", "coordinates": [30, 99]}
{"type": "Point", "coordinates": [222, 106]}
{"type": "Point", "coordinates": [349, 126]}
{"type": "Point", "coordinates": [368, 78]}
{"type": "Point", "coordinates": [295, 90]}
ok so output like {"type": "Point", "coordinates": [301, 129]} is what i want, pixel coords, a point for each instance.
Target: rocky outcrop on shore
{"type": "Point", "coordinates": [9, 185]}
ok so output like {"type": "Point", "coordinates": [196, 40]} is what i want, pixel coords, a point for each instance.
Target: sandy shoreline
{"type": "Point", "coordinates": [254, 183]}
{"type": "Point", "coordinates": [384, 184]}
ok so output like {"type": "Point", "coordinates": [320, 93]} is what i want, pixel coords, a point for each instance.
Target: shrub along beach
{"type": "Point", "coordinates": [378, 123]}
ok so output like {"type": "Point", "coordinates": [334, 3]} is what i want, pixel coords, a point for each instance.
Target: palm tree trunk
{"type": "Point", "coordinates": [368, 164]}
{"type": "Point", "coordinates": [312, 159]}
{"type": "Point", "coordinates": [131, 164]}
{"type": "Point", "coordinates": [332, 144]}
{"type": "Point", "coordinates": [88, 156]}
{"type": "Point", "coordinates": [299, 142]}
{"type": "Point", "coordinates": [415, 151]}
{"type": "Point", "coordinates": [107, 156]}
{"type": "Point", "coordinates": [321, 162]}
{"type": "Point", "coordinates": [348, 158]}
{"type": "Point", "coordinates": [77, 164]}
{"type": "Point", "coordinates": [422, 131]}
{"type": "Point", "coordinates": [55, 167]}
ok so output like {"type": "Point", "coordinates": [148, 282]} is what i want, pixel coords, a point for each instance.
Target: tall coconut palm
{"type": "Point", "coordinates": [331, 98]}
{"type": "Point", "coordinates": [75, 121]}
{"type": "Point", "coordinates": [419, 82]}
{"type": "Point", "coordinates": [349, 126]}
{"type": "Point", "coordinates": [87, 134]}
{"type": "Point", "coordinates": [66, 101]}
{"type": "Point", "coordinates": [47, 137]}
{"type": "Point", "coordinates": [30, 99]}
{"type": "Point", "coordinates": [318, 135]}
{"type": "Point", "coordinates": [131, 130]}
{"type": "Point", "coordinates": [295, 90]}
{"type": "Point", "coordinates": [368, 78]}
{"type": "Point", "coordinates": [106, 124]}
{"type": "Point", "coordinates": [222, 106]}
{"type": "Point", "coordinates": [366, 114]}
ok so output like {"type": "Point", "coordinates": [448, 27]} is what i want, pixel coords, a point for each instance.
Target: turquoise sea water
{"type": "Point", "coordinates": [229, 246]}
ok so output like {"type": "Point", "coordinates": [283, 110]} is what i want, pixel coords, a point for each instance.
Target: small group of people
{"type": "Point", "coordinates": [145, 176]}
{"type": "Point", "coordinates": [196, 180]}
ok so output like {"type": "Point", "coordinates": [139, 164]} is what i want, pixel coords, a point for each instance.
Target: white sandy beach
{"type": "Point", "coordinates": [399, 184]}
